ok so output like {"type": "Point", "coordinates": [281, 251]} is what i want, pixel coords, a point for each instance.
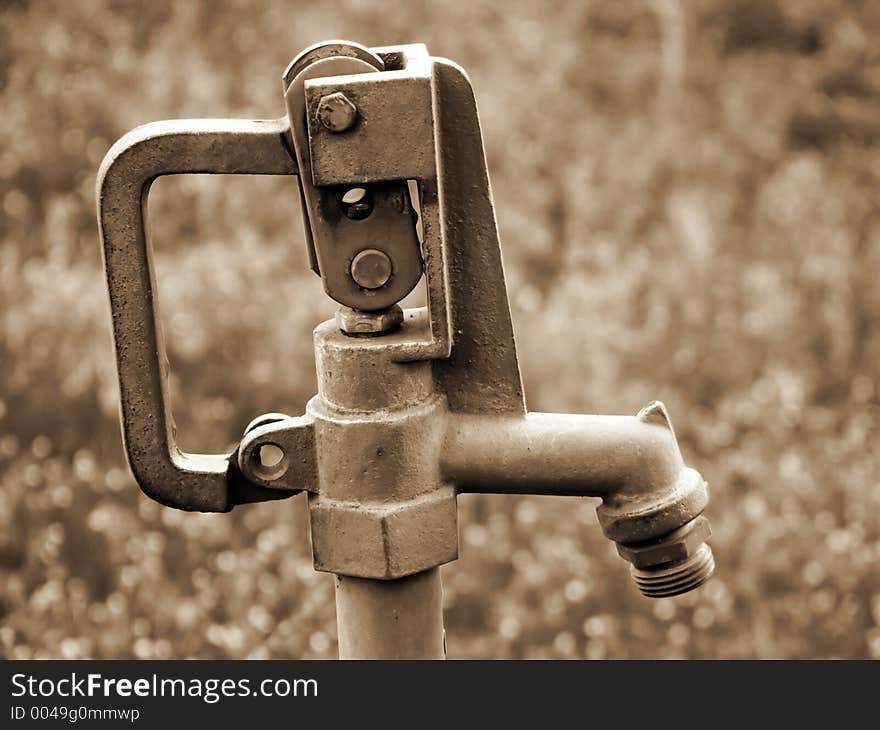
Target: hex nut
{"type": "Point", "coordinates": [336, 112]}
{"type": "Point", "coordinates": [355, 322]}
{"type": "Point", "coordinates": [384, 541]}
{"type": "Point", "coordinates": [678, 545]}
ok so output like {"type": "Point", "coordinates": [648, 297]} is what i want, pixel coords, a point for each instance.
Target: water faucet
{"type": "Point", "coordinates": [413, 406]}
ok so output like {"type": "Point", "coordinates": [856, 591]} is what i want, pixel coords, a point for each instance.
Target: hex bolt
{"type": "Point", "coordinates": [371, 268]}
{"type": "Point", "coordinates": [368, 324]}
{"type": "Point", "coordinates": [336, 112]}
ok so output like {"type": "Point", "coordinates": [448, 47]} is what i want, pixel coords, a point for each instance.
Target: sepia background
{"type": "Point", "coordinates": [689, 209]}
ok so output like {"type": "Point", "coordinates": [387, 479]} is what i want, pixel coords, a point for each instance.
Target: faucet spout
{"type": "Point", "coordinates": [561, 454]}
{"type": "Point", "coordinates": [651, 501]}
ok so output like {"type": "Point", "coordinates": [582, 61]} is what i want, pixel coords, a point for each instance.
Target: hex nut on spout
{"type": "Point", "coordinates": [674, 563]}
{"type": "Point", "coordinates": [678, 545]}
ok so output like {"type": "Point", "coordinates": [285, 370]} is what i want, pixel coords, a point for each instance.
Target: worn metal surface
{"type": "Point", "coordinates": [379, 507]}
{"type": "Point", "coordinates": [384, 541]}
{"type": "Point", "coordinates": [415, 406]}
{"type": "Point", "coordinates": [354, 322]}
{"type": "Point", "coordinates": [401, 619]}
{"type": "Point", "coordinates": [394, 138]}
{"type": "Point", "coordinates": [482, 373]}
{"type": "Point", "coordinates": [337, 238]}
{"type": "Point", "coordinates": [389, 447]}
{"type": "Point", "coordinates": [336, 112]}
{"type": "Point", "coordinates": [296, 470]}
{"type": "Point", "coordinates": [546, 453]}
{"type": "Point", "coordinates": [328, 49]}
{"type": "Point", "coordinates": [632, 462]}
{"type": "Point", "coordinates": [394, 141]}
{"type": "Point", "coordinates": [203, 482]}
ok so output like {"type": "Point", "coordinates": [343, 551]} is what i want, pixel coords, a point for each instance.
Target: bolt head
{"type": "Point", "coordinates": [336, 112]}
{"type": "Point", "coordinates": [371, 268]}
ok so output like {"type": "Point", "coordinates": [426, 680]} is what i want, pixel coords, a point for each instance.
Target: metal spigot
{"type": "Point", "coordinates": [414, 406]}
{"type": "Point", "coordinates": [652, 501]}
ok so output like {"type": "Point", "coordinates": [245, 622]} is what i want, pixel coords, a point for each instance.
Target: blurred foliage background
{"type": "Point", "coordinates": [688, 201]}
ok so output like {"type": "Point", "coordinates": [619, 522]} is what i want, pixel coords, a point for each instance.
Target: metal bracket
{"type": "Point", "coordinates": [386, 143]}
{"type": "Point", "coordinates": [378, 219]}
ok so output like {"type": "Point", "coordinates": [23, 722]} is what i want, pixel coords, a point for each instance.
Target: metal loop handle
{"type": "Point", "coordinates": [202, 482]}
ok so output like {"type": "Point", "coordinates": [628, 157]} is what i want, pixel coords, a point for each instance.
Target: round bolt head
{"type": "Point", "coordinates": [371, 268]}
{"type": "Point", "coordinates": [336, 112]}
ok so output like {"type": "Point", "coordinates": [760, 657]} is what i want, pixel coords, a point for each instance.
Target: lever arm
{"type": "Point", "coordinates": [221, 146]}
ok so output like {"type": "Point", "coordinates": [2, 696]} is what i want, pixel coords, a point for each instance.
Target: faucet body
{"type": "Point", "coordinates": [383, 458]}
{"type": "Point", "coordinates": [413, 407]}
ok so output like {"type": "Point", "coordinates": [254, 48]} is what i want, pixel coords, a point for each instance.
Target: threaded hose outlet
{"type": "Point", "coordinates": [673, 579]}
{"type": "Point", "coordinates": [674, 563]}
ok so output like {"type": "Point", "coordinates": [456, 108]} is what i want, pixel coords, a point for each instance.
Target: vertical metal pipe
{"type": "Point", "coordinates": [391, 619]}
{"type": "Point", "coordinates": [380, 428]}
